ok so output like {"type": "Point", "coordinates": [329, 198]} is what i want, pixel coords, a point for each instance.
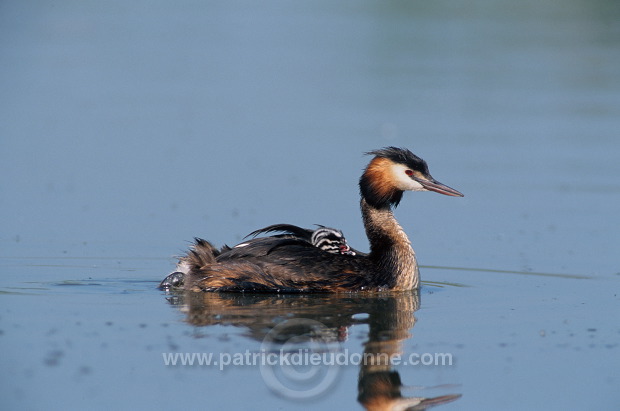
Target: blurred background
{"type": "Point", "coordinates": [130, 128]}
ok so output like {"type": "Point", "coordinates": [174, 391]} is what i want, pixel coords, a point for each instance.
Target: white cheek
{"type": "Point", "coordinates": [403, 181]}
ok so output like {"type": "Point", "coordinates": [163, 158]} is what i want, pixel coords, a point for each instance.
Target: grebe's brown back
{"type": "Point", "coordinates": [324, 238]}
{"type": "Point", "coordinates": [273, 264]}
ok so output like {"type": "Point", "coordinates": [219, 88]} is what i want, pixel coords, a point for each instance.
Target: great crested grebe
{"type": "Point", "coordinates": [273, 264]}
{"type": "Point", "coordinates": [327, 239]}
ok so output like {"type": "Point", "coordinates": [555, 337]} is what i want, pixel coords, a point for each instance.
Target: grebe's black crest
{"type": "Point", "coordinates": [402, 156]}
{"type": "Point", "coordinates": [292, 263]}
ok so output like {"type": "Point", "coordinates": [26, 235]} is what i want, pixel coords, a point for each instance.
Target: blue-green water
{"type": "Point", "coordinates": [129, 128]}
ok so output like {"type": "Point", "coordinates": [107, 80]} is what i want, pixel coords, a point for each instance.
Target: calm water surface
{"type": "Point", "coordinates": [128, 129]}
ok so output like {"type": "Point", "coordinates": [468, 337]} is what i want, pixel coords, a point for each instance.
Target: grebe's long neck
{"type": "Point", "coordinates": [390, 248]}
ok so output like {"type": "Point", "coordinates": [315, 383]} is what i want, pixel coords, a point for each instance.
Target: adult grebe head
{"type": "Point", "coordinates": [394, 170]}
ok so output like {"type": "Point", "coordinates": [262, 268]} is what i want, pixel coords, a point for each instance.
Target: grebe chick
{"type": "Point", "coordinates": [325, 238]}
{"type": "Point", "coordinates": [272, 264]}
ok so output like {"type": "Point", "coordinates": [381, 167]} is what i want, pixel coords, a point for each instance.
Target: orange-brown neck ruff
{"type": "Point", "coordinates": [377, 186]}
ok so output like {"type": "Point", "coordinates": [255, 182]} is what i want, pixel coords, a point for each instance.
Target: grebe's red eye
{"type": "Point", "coordinates": [409, 172]}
